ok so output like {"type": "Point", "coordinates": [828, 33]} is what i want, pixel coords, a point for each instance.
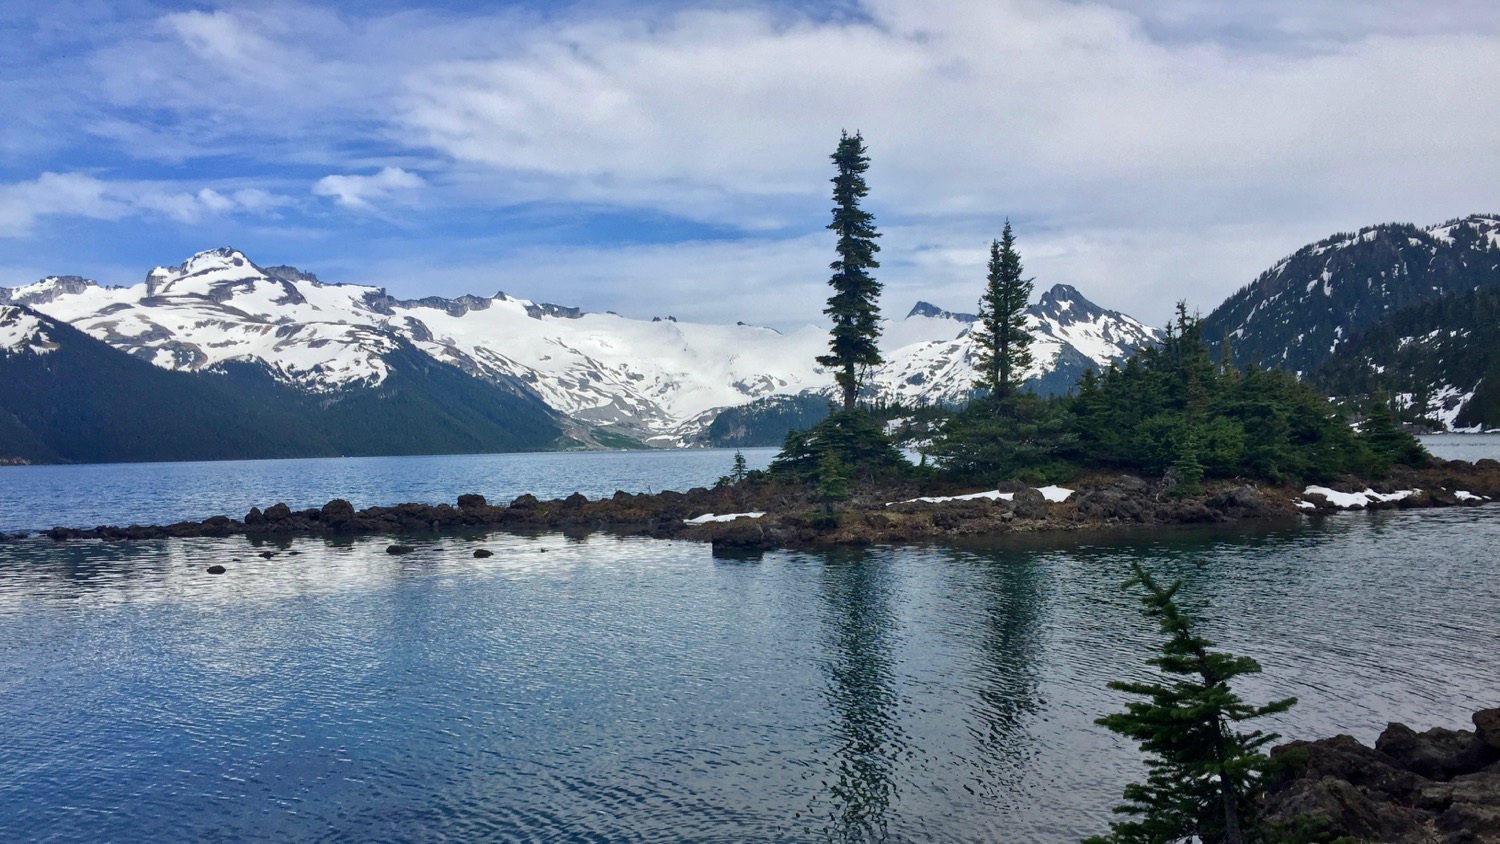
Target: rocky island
{"type": "Point", "coordinates": [762, 512]}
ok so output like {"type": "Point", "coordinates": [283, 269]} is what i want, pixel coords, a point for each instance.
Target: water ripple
{"type": "Point", "coordinates": [569, 690]}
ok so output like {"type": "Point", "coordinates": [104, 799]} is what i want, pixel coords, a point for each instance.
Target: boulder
{"type": "Point", "coordinates": [1438, 754]}
{"type": "Point", "coordinates": [575, 501]}
{"type": "Point", "coordinates": [1487, 727]}
{"type": "Point", "coordinates": [471, 501]}
{"type": "Point", "coordinates": [278, 512]}
{"type": "Point", "coordinates": [215, 569]}
{"type": "Point", "coordinates": [399, 549]}
{"type": "Point", "coordinates": [481, 553]}
{"type": "Point", "coordinates": [255, 517]}
{"type": "Point", "coordinates": [1029, 504]}
{"type": "Point", "coordinates": [524, 502]}
{"type": "Point", "coordinates": [1343, 810]}
{"type": "Point", "coordinates": [337, 510]}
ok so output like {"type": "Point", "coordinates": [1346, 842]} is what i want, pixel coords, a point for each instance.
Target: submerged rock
{"type": "Point", "coordinates": [215, 569]}
{"type": "Point", "coordinates": [399, 549]}
{"type": "Point", "coordinates": [483, 552]}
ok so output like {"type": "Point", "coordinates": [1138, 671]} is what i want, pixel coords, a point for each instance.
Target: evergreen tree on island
{"type": "Point", "coordinates": [1001, 334]}
{"type": "Point", "coordinates": [856, 316]}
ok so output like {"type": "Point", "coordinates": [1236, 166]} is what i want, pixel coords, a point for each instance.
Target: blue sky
{"type": "Point", "coordinates": [672, 158]}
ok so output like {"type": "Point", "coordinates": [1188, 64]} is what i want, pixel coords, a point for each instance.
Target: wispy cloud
{"type": "Point", "coordinates": [80, 195]}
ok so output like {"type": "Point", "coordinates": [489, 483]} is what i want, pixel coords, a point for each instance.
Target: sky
{"type": "Point", "coordinates": [656, 158]}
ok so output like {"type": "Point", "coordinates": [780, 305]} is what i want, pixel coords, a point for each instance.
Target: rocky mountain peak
{"type": "Point", "coordinates": [46, 290]}
{"type": "Point", "coordinates": [292, 274]}
{"type": "Point", "coordinates": [1063, 302]}
{"type": "Point", "coordinates": [927, 309]}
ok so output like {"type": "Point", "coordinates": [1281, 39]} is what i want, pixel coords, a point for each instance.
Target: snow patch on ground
{"type": "Point", "coordinates": [1051, 493]}
{"type": "Point", "coordinates": [1353, 500]}
{"type": "Point", "coordinates": [1465, 495]}
{"type": "Point", "coordinates": [726, 517]}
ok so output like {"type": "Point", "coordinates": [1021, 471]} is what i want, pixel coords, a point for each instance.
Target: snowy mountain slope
{"type": "Point", "coordinates": [1316, 300]}
{"type": "Point", "coordinates": [660, 379]}
{"type": "Point", "coordinates": [1069, 332]}
{"type": "Point", "coordinates": [22, 332]}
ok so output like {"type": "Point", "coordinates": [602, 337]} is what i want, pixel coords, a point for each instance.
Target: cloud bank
{"type": "Point", "coordinates": [1146, 152]}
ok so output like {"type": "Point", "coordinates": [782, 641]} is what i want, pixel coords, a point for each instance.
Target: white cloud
{"type": "Point", "coordinates": [363, 191]}
{"type": "Point", "coordinates": [1147, 151]}
{"type": "Point", "coordinates": [22, 204]}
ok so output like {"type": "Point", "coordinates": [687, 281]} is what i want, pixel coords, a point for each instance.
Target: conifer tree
{"type": "Point", "coordinates": [1004, 341]}
{"type": "Point", "coordinates": [853, 308]}
{"type": "Point", "coordinates": [1203, 776]}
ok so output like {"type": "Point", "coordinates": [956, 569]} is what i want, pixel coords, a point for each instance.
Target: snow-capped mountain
{"type": "Point", "coordinates": [1312, 309]}
{"type": "Point", "coordinates": [1312, 302]}
{"type": "Point", "coordinates": [22, 332]}
{"type": "Point", "coordinates": [1069, 334]}
{"type": "Point", "coordinates": [661, 380]}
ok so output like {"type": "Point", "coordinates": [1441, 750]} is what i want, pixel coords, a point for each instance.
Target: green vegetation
{"type": "Point", "coordinates": [851, 444]}
{"type": "Point", "coordinates": [617, 440]}
{"type": "Point", "coordinates": [766, 421]}
{"type": "Point", "coordinates": [1170, 412]}
{"type": "Point", "coordinates": [853, 305]}
{"type": "Point", "coordinates": [1203, 776]}
{"type": "Point", "coordinates": [1001, 334]}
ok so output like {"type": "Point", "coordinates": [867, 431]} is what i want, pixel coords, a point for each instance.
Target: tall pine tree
{"type": "Point", "coordinates": [1004, 341]}
{"type": "Point", "coordinates": [856, 316]}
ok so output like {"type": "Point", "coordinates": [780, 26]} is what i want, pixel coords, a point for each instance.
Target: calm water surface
{"type": "Point", "coordinates": [599, 689]}
{"type": "Point", "coordinates": [39, 497]}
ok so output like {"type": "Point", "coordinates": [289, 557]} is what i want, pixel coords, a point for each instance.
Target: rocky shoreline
{"type": "Point", "coordinates": [789, 515]}
{"type": "Point", "coordinates": [1441, 786]}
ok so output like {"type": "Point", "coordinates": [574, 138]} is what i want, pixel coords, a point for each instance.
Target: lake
{"type": "Point", "coordinates": [578, 689]}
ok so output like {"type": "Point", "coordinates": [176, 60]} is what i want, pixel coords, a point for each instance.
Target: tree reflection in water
{"type": "Point", "coordinates": [860, 621]}
{"type": "Point", "coordinates": [1007, 593]}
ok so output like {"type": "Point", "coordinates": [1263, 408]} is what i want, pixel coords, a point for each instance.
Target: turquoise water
{"type": "Point", "coordinates": [600, 689]}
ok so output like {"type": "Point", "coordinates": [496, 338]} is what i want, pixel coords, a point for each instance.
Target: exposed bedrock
{"type": "Point", "coordinates": [1441, 786]}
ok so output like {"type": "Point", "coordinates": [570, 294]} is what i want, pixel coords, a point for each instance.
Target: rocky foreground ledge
{"type": "Point", "coordinates": [761, 513]}
{"type": "Point", "coordinates": [1441, 786]}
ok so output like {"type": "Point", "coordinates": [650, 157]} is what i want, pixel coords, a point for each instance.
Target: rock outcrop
{"type": "Point", "coordinates": [1441, 786]}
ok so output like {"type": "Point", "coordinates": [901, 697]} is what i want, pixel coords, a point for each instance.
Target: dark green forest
{"type": "Point", "coordinates": [1452, 340]}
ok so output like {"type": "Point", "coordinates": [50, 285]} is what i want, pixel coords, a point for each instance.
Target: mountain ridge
{"type": "Point", "coordinates": [661, 380]}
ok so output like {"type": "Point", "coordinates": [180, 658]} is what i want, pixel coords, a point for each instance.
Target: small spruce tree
{"type": "Point", "coordinates": [1004, 341]}
{"type": "Point", "coordinates": [1203, 776]}
{"type": "Point", "coordinates": [740, 469]}
{"type": "Point", "coordinates": [853, 306]}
